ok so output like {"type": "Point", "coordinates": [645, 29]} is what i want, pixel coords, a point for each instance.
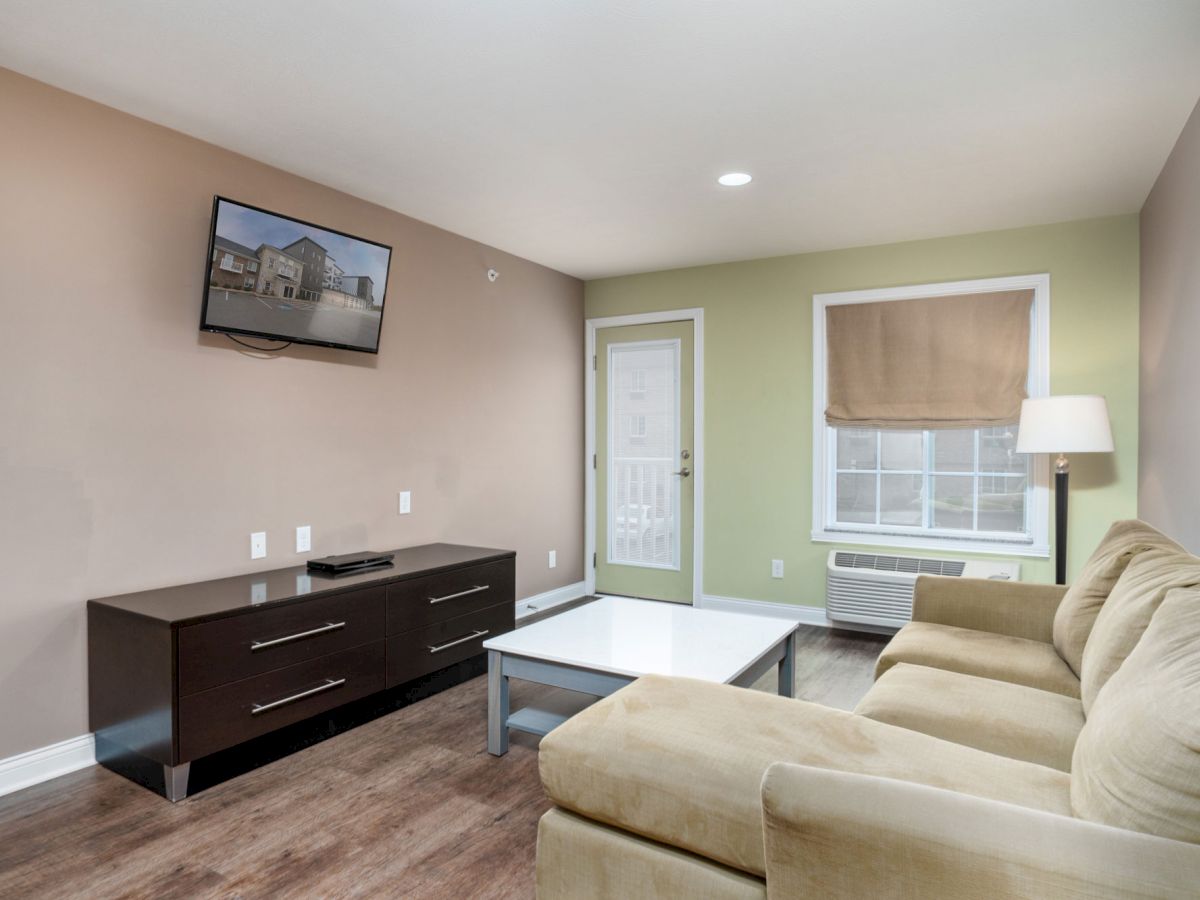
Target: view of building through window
{"type": "Point", "coordinates": [643, 494]}
{"type": "Point", "coordinates": [952, 480]}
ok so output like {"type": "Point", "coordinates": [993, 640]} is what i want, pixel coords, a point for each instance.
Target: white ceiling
{"type": "Point", "coordinates": [587, 135]}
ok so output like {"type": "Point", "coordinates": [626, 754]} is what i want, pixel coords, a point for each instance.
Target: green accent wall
{"type": "Point", "coordinates": [758, 381]}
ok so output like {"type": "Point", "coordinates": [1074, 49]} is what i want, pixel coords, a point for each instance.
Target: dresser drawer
{"type": "Point", "coordinates": [435, 598]}
{"type": "Point", "coordinates": [224, 716]}
{"type": "Point", "coordinates": [238, 647]}
{"type": "Point", "coordinates": [428, 649]}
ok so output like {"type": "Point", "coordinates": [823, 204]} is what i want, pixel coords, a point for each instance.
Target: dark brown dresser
{"type": "Point", "coordinates": [178, 674]}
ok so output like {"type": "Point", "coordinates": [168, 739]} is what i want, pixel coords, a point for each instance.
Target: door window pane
{"type": "Point", "coordinates": [643, 494]}
{"type": "Point", "coordinates": [856, 498]}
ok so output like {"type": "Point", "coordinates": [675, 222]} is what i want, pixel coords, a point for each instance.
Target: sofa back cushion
{"type": "Point", "coordinates": [1081, 604]}
{"type": "Point", "coordinates": [1136, 764]}
{"type": "Point", "coordinates": [1127, 612]}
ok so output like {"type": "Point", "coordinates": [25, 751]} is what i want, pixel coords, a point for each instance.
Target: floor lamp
{"type": "Point", "coordinates": [1062, 425]}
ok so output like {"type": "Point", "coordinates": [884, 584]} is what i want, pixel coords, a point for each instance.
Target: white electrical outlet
{"type": "Point", "coordinates": [303, 538]}
{"type": "Point", "coordinates": [405, 503]}
{"type": "Point", "coordinates": [777, 568]}
{"type": "Point", "coordinates": [553, 558]}
{"type": "Point", "coordinates": [258, 545]}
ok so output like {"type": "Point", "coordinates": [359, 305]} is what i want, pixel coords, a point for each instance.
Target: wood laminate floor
{"type": "Point", "coordinates": [410, 805]}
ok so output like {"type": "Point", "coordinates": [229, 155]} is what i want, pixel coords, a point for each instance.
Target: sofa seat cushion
{"type": "Point", "coordinates": [682, 762]}
{"type": "Point", "coordinates": [1016, 660]}
{"type": "Point", "coordinates": [1076, 614]}
{"type": "Point", "coordinates": [1127, 612]}
{"type": "Point", "coordinates": [1137, 761]}
{"type": "Point", "coordinates": [1009, 719]}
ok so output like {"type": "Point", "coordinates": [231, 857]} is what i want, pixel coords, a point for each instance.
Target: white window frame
{"type": "Point", "coordinates": [824, 436]}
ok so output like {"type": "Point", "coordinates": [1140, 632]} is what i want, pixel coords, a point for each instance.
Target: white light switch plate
{"type": "Point", "coordinates": [777, 568]}
{"type": "Point", "coordinates": [303, 538]}
{"type": "Point", "coordinates": [553, 558]}
{"type": "Point", "coordinates": [258, 545]}
{"type": "Point", "coordinates": [405, 502]}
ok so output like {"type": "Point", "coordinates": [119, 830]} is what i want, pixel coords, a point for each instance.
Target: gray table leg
{"type": "Point", "coordinates": [497, 739]}
{"type": "Point", "coordinates": [787, 668]}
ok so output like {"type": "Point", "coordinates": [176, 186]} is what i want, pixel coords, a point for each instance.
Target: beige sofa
{"type": "Point", "coordinates": [979, 765]}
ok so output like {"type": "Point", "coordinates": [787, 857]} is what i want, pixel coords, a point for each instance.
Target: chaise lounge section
{"type": "Point", "coordinates": [958, 774]}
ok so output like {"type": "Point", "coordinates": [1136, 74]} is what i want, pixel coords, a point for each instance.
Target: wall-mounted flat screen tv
{"type": "Point", "coordinates": [274, 277]}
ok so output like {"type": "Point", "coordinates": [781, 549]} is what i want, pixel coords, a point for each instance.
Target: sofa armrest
{"type": "Point", "coordinates": [1015, 608]}
{"type": "Point", "coordinates": [836, 834]}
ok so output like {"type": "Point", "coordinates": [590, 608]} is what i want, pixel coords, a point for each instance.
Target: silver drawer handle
{"type": "Point", "coordinates": [263, 645]}
{"type": "Point", "coordinates": [474, 590]}
{"type": "Point", "coordinates": [329, 684]}
{"type": "Point", "coordinates": [462, 640]}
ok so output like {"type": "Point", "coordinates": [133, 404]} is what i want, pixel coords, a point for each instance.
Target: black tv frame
{"type": "Point", "coordinates": [215, 329]}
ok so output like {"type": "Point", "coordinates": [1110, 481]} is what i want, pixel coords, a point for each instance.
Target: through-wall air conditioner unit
{"type": "Point", "coordinates": [875, 591]}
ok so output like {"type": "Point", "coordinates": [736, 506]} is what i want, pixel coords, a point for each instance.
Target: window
{"type": "Point", "coordinates": [967, 480]}
{"type": "Point", "coordinates": [270, 262]}
{"type": "Point", "coordinates": [638, 377]}
{"type": "Point", "coordinates": [952, 489]}
{"type": "Point", "coordinates": [637, 427]}
{"type": "Point", "coordinates": [252, 266]}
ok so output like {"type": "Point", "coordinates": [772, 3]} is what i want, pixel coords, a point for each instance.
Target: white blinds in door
{"type": "Point", "coordinates": [643, 452]}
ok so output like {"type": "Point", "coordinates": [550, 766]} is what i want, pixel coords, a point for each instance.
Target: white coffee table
{"type": "Point", "coordinates": [602, 646]}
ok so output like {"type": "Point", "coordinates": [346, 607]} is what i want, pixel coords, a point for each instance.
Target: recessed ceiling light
{"type": "Point", "coordinates": [734, 179]}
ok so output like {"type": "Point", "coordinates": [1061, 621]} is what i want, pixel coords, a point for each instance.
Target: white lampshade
{"type": "Point", "coordinates": [1066, 424]}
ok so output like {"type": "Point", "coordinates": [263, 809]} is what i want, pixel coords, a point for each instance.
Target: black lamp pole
{"type": "Point", "coordinates": [1062, 470]}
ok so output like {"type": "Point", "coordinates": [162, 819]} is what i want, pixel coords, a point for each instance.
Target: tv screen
{"type": "Point", "coordinates": [271, 276]}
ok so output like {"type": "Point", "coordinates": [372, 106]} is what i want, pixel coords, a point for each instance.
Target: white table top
{"type": "Point", "coordinates": [643, 637]}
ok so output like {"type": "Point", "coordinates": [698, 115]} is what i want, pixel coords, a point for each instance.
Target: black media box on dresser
{"type": "Point", "coordinates": [201, 671]}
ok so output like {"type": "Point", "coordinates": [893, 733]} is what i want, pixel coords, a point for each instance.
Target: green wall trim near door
{"type": "Point", "coordinates": [758, 381]}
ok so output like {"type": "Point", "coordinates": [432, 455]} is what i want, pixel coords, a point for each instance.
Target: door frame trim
{"type": "Point", "coordinates": [694, 315]}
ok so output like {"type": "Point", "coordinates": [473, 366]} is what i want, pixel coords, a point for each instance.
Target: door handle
{"type": "Point", "coordinates": [683, 473]}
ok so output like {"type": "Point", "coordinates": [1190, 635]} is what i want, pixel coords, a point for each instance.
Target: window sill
{"type": "Point", "coordinates": [914, 542]}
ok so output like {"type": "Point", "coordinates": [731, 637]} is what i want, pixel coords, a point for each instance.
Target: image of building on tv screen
{"type": "Point", "coordinates": [271, 275]}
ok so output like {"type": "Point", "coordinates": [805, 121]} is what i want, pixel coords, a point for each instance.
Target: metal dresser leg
{"type": "Point", "coordinates": [176, 779]}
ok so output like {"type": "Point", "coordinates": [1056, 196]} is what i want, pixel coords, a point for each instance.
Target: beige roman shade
{"type": "Point", "coordinates": [935, 362]}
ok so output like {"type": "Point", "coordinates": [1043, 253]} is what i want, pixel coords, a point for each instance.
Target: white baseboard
{"type": "Point", "coordinates": [539, 602]}
{"type": "Point", "coordinates": [805, 615]}
{"type": "Point", "coordinates": [27, 769]}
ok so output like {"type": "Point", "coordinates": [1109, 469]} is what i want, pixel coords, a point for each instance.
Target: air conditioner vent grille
{"type": "Point", "coordinates": [908, 564]}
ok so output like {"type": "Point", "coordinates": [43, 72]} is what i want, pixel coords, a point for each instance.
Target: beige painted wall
{"type": "Point", "coordinates": [136, 452]}
{"type": "Point", "coordinates": [1169, 485]}
{"type": "Point", "coordinates": [758, 381]}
